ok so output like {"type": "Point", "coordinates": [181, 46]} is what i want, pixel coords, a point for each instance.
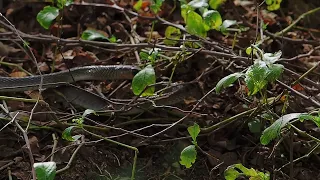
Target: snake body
{"type": "Point", "coordinates": [89, 100]}
{"type": "Point", "coordinates": [115, 72]}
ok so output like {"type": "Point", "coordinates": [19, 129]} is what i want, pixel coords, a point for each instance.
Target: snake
{"type": "Point", "coordinates": [62, 80]}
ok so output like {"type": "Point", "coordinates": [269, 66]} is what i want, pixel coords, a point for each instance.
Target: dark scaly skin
{"type": "Point", "coordinates": [89, 100]}
{"type": "Point", "coordinates": [115, 72]}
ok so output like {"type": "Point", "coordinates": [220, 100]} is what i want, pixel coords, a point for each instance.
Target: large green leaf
{"type": "Point", "coordinates": [212, 19]}
{"type": "Point", "coordinates": [87, 112]}
{"type": "Point", "coordinates": [315, 119]}
{"type": "Point", "coordinates": [185, 9]}
{"type": "Point", "coordinates": [172, 33]}
{"type": "Point", "coordinates": [188, 156]}
{"type": "Point", "coordinates": [227, 81]}
{"type": "Point", "coordinates": [195, 24]}
{"type": "Point", "coordinates": [215, 4]}
{"type": "Point", "coordinates": [91, 35]}
{"type": "Point", "coordinates": [45, 170]}
{"type": "Point", "coordinates": [256, 77]}
{"type": "Point", "coordinates": [143, 79]}
{"type": "Point", "coordinates": [271, 58]}
{"type": "Point", "coordinates": [275, 71]}
{"type": "Point", "coordinates": [194, 132]}
{"type": "Point", "coordinates": [47, 15]}
{"type": "Point", "coordinates": [273, 131]}
{"type": "Point", "coordinates": [234, 171]}
{"type": "Point", "coordinates": [198, 4]}
{"type": "Point", "coordinates": [66, 134]}
{"type": "Point", "coordinates": [226, 24]}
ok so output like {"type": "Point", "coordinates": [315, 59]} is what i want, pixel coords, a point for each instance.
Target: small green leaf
{"type": "Point", "coordinates": [113, 39]}
{"type": "Point", "coordinates": [47, 15]}
{"type": "Point", "coordinates": [45, 170]}
{"type": "Point", "coordinates": [91, 35]}
{"type": "Point", "coordinates": [273, 4]}
{"type": "Point", "coordinates": [256, 77]}
{"type": "Point", "coordinates": [194, 132]}
{"type": "Point", "coordinates": [195, 24]}
{"type": "Point", "coordinates": [198, 4]}
{"type": "Point", "coordinates": [249, 50]}
{"type": "Point", "coordinates": [234, 171]}
{"type": "Point", "coordinates": [215, 4]}
{"type": "Point", "coordinates": [188, 156]}
{"type": "Point", "coordinates": [144, 55]}
{"type": "Point", "coordinates": [275, 71]}
{"type": "Point", "coordinates": [63, 3]}
{"type": "Point", "coordinates": [270, 58]}
{"type": "Point", "coordinates": [138, 5]}
{"type": "Point", "coordinates": [156, 6]}
{"type": "Point", "coordinates": [226, 24]}
{"type": "Point", "coordinates": [66, 134]}
{"type": "Point", "coordinates": [87, 112]}
{"type": "Point", "coordinates": [143, 79]}
{"type": "Point", "coordinates": [172, 33]}
{"type": "Point", "coordinates": [255, 126]}
{"type": "Point", "coordinates": [273, 131]}
{"type": "Point", "coordinates": [227, 81]}
{"type": "Point", "coordinates": [231, 174]}
{"type": "Point", "coordinates": [212, 19]}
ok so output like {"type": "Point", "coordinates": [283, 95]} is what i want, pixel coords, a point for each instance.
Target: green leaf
{"type": "Point", "coordinates": [315, 119]}
{"type": "Point", "coordinates": [255, 126]}
{"type": "Point", "coordinates": [215, 4]}
{"type": "Point", "coordinates": [212, 19]}
{"type": "Point", "coordinates": [172, 33]}
{"type": "Point", "coordinates": [231, 174]}
{"type": "Point", "coordinates": [256, 77]}
{"type": "Point", "coordinates": [226, 24]}
{"type": "Point", "coordinates": [273, 4]}
{"type": "Point", "coordinates": [188, 156]}
{"type": "Point", "coordinates": [63, 3]}
{"type": "Point", "coordinates": [185, 9]}
{"type": "Point", "coordinates": [275, 71]}
{"type": "Point", "coordinates": [195, 24]}
{"type": "Point", "coordinates": [273, 131]}
{"type": "Point", "coordinates": [113, 39]}
{"type": "Point", "coordinates": [45, 170]}
{"type": "Point", "coordinates": [194, 132]}
{"type": "Point", "coordinates": [227, 81]}
{"type": "Point", "coordinates": [87, 112]}
{"type": "Point", "coordinates": [66, 134]}
{"type": "Point", "coordinates": [91, 35]}
{"type": "Point", "coordinates": [138, 5]}
{"type": "Point", "coordinates": [248, 172]}
{"type": "Point", "coordinates": [198, 4]}
{"type": "Point", "coordinates": [47, 15]}
{"type": "Point", "coordinates": [143, 79]}
{"type": "Point", "coordinates": [249, 50]}
{"type": "Point", "coordinates": [270, 58]}
{"type": "Point", "coordinates": [156, 6]}
{"type": "Point", "coordinates": [144, 55]}
{"type": "Point", "coordinates": [234, 171]}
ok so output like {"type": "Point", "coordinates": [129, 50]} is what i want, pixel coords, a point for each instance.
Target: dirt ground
{"type": "Point", "coordinates": [92, 158]}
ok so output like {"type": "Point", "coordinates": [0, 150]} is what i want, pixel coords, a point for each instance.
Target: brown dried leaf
{"type": "Point", "coordinates": [18, 74]}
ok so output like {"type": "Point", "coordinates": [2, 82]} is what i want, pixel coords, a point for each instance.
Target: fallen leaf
{"type": "Point", "coordinates": [18, 74]}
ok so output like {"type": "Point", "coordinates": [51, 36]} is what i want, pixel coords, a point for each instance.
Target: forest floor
{"type": "Point", "coordinates": [231, 122]}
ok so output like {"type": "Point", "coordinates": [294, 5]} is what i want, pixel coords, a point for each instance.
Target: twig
{"type": "Point", "coordinates": [72, 157]}
{"type": "Point", "coordinates": [299, 94]}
